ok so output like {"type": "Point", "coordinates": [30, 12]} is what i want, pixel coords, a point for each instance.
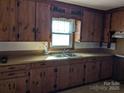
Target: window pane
{"type": "Point", "coordinates": [60, 26]}
{"type": "Point", "coordinates": [60, 40]}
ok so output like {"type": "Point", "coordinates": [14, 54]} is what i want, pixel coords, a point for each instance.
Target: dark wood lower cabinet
{"type": "Point", "coordinates": [118, 73]}
{"type": "Point", "coordinates": [62, 77]}
{"type": "Point", "coordinates": [76, 74]}
{"type": "Point", "coordinates": [92, 71]}
{"type": "Point", "coordinates": [14, 85]}
{"type": "Point", "coordinates": [54, 76]}
{"type": "Point", "coordinates": [42, 80]}
{"type": "Point", "coordinates": [106, 68]}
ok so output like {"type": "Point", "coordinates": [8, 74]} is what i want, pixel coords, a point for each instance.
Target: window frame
{"type": "Point", "coordinates": [71, 37]}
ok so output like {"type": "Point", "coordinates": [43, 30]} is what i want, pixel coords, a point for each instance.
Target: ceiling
{"type": "Point", "coordinates": [97, 4]}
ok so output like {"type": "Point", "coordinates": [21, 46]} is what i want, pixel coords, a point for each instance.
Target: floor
{"type": "Point", "coordinates": [101, 87]}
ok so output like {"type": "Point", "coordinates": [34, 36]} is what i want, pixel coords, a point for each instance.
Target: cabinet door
{"type": "Point", "coordinates": [15, 85]}
{"type": "Point", "coordinates": [36, 80]}
{"type": "Point", "coordinates": [75, 12]}
{"type": "Point", "coordinates": [26, 20]}
{"type": "Point", "coordinates": [98, 26]}
{"type": "Point", "coordinates": [59, 10]}
{"type": "Point", "coordinates": [116, 21]}
{"type": "Point", "coordinates": [87, 26]}
{"type": "Point", "coordinates": [106, 68]}
{"type": "Point", "coordinates": [21, 85]}
{"type": "Point", "coordinates": [62, 77]}
{"type": "Point", "coordinates": [92, 71]}
{"type": "Point", "coordinates": [4, 20]}
{"type": "Point", "coordinates": [76, 74]}
{"type": "Point", "coordinates": [42, 21]}
{"type": "Point", "coordinates": [13, 31]}
{"type": "Point", "coordinates": [8, 86]}
{"type": "Point", "coordinates": [49, 80]}
{"type": "Point", "coordinates": [107, 28]}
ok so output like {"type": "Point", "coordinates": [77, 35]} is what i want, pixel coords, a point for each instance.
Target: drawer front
{"type": "Point", "coordinates": [12, 68]}
{"type": "Point", "coordinates": [6, 75]}
{"type": "Point", "coordinates": [44, 64]}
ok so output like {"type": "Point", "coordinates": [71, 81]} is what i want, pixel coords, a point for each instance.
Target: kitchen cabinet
{"type": "Point", "coordinates": [106, 68]}
{"type": "Point", "coordinates": [63, 77]}
{"type": "Point", "coordinates": [4, 18]}
{"type": "Point", "coordinates": [117, 21]}
{"type": "Point", "coordinates": [92, 25]}
{"type": "Point", "coordinates": [118, 69]}
{"type": "Point", "coordinates": [76, 74]}
{"type": "Point", "coordinates": [13, 79]}
{"type": "Point", "coordinates": [66, 10]}
{"type": "Point", "coordinates": [43, 21]}
{"type": "Point", "coordinates": [26, 20]}
{"type": "Point", "coordinates": [107, 24]}
{"type": "Point", "coordinates": [42, 80]}
{"type": "Point", "coordinates": [14, 85]}
{"type": "Point", "coordinates": [98, 26]}
{"type": "Point", "coordinates": [13, 31]}
{"type": "Point", "coordinates": [92, 69]}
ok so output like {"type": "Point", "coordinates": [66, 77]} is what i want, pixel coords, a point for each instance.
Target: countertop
{"type": "Point", "coordinates": [42, 58]}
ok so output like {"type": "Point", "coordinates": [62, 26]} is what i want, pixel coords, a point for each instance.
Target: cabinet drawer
{"type": "Point", "coordinates": [6, 75]}
{"type": "Point", "coordinates": [44, 64]}
{"type": "Point", "coordinates": [12, 68]}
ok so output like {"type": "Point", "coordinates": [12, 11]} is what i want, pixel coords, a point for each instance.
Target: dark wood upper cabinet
{"type": "Point", "coordinates": [107, 25]}
{"type": "Point", "coordinates": [4, 20]}
{"type": "Point", "coordinates": [43, 21]}
{"type": "Point", "coordinates": [26, 20]}
{"type": "Point", "coordinates": [92, 25]}
{"type": "Point", "coordinates": [66, 10]}
{"type": "Point", "coordinates": [117, 21]}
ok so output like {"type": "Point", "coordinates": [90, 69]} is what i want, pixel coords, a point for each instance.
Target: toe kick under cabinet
{"type": "Point", "coordinates": [54, 75]}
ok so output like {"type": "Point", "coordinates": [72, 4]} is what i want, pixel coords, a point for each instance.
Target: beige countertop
{"type": "Point", "coordinates": [41, 58]}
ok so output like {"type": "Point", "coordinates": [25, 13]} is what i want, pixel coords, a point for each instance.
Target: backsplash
{"type": "Point", "coordinates": [120, 46]}
{"type": "Point", "coordinates": [79, 45]}
{"type": "Point", "coordinates": [22, 46]}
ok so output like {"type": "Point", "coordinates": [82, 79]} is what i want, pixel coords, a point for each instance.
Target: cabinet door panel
{"type": "Point", "coordinates": [13, 21]}
{"type": "Point", "coordinates": [26, 20]}
{"type": "Point", "coordinates": [106, 69]}
{"type": "Point", "coordinates": [63, 77]}
{"type": "Point", "coordinates": [87, 26]}
{"type": "Point", "coordinates": [42, 21]}
{"type": "Point", "coordinates": [4, 18]}
{"type": "Point", "coordinates": [76, 74]}
{"type": "Point", "coordinates": [35, 81]}
{"type": "Point", "coordinates": [117, 21]}
{"type": "Point", "coordinates": [21, 85]}
{"type": "Point", "coordinates": [98, 27]}
{"type": "Point", "coordinates": [49, 80]}
{"type": "Point", "coordinates": [92, 72]}
{"type": "Point", "coordinates": [107, 28]}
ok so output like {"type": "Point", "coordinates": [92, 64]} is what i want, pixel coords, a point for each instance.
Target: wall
{"type": "Point", "coordinates": [21, 48]}
{"type": "Point", "coordinates": [120, 46]}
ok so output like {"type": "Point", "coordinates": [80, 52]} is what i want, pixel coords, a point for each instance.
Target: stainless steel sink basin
{"type": "Point", "coordinates": [68, 55]}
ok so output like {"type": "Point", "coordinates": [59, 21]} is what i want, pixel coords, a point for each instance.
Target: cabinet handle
{"type": "Point", "coordinates": [41, 74]}
{"type": "Point", "coordinates": [11, 68]}
{"type": "Point", "coordinates": [72, 69]}
{"type": "Point", "coordinates": [13, 28]}
{"type": "Point", "coordinates": [9, 85]}
{"type": "Point", "coordinates": [34, 30]}
{"type": "Point", "coordinates": [44, 73]}
{"type": "Point", "coordinates": [11, 74]}
{"type": "Point", "coordinates": [14, 86]}
{"type": "Point", "coordinates": [18, 36]}
{"type": "Point", "coordinates": [37, 83]}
